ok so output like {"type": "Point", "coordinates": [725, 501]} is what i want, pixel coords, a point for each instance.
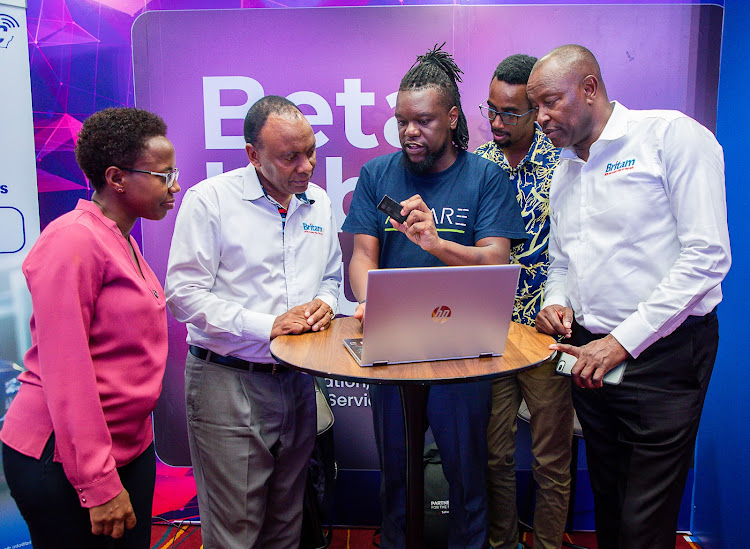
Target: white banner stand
{"type": "Point", "coordinates": [19, 223]}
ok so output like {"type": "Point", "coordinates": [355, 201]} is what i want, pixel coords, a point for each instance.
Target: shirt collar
{"type": "Point", "coordinates": [616, 127]}
{"type": "Point", "coordinates": [537, 151]}
{"type": "Point", "coordinates": [303, 198]}
{"type": "Point", "coordinates": [90, 207]}
{"type": "Point", "coordinates": [535, 155]}
{"type": "Point", "coordinates": [251, 187]}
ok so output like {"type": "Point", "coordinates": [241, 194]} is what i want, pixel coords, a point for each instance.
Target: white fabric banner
{"type": "Point", "coordinates": [19, 225]}
{"type": "Point", "coordinates": [19, 203]}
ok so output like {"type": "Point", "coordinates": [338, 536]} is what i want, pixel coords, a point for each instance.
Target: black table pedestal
{"type": "Point", "coordinates": [414, 404]}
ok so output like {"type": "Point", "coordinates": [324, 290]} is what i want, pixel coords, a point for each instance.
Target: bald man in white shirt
{"type": "Point", "coordinates": [639, 246]}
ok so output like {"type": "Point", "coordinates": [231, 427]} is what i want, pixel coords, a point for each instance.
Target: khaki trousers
{"type": "Point", "coordinates": [548, 397]}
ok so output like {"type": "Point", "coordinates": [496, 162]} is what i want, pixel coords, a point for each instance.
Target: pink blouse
{"type": "Point", "coordinates": [98, 353]}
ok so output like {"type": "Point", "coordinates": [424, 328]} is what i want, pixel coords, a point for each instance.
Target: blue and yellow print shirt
{"type": "Point", "coordinates": [531, 178]}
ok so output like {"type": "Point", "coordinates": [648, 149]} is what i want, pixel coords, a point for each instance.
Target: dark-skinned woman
{"type": "Point", "coordinates": [77, 440]}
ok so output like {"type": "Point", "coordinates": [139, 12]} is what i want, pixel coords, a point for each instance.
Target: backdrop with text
{"type": "Point", "coordinates": [342, 66]}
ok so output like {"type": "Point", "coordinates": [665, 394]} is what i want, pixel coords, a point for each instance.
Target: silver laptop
{"type": "Point", "coordinates": [436, 313]}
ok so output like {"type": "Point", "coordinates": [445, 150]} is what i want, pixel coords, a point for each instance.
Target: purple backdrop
{"type": "Point", "coordinates": [214, 64]}
{"type": "Point", "coordinates": [652, 55]}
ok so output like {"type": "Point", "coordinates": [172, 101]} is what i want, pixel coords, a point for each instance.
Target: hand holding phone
{"type": "Point", "coordinates": [613, 377]}
{"type": "Point", "coordinates": [391, 208]}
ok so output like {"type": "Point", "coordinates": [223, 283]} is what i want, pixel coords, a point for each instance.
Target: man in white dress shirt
{"type": "Point", "coordinates": [255, 255]}
{"type": "Point", "coordinates": [639, 246]}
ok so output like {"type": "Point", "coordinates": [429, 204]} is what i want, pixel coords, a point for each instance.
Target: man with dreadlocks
{"type": "Point", "coordinates": [461, 210]}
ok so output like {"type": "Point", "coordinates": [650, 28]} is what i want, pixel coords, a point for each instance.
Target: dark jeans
{"type": "Point", "coordinates": [458, 415]}
{"type": "Point", "coordinates": [50, 506]}
{"type": "Point", "coordinates": [640, 435]}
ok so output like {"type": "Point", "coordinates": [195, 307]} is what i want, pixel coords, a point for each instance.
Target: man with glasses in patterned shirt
{"type": "Point", "coordinates": [528, 157]}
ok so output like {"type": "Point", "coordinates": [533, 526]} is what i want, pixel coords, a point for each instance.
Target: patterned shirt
{"type": "Point", "coordinates": [531, 178]}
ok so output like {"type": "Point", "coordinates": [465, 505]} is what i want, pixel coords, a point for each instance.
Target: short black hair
{"type": "Point", "coordinates": [515, 69]}
{"type": "Point", "coordinates": [114, 137]}
{"type": "Point", "coordinates": [260, 111]}
{"type": "Point", "coordinates": [437, 69]}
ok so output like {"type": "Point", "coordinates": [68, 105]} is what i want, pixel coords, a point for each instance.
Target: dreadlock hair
{"type": "Point", "coordinates": [437, 69]}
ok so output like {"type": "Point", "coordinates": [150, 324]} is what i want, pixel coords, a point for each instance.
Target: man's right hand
{"type": "Point", "coordinates": [111, 518]}
{"type": "Point", "coordinates": [359, 313]}
{"type": "Point", "coordinates": [555, 320]}
{"type": "Point", "coordinates": [293, 321]}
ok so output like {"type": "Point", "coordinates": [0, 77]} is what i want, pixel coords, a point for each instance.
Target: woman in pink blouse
{"type": "Point", "coordinates": [78, 445]}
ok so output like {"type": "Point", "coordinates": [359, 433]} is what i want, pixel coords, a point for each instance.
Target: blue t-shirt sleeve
{"type": "Point", "coordinates": [499, 213]}
{"type": "Point", "coordinates": [363, 213]}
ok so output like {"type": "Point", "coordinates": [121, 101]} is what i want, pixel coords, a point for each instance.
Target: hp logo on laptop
{"type": "Point", "coordinates": [441, 314]}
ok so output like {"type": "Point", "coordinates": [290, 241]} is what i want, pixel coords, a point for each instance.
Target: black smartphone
{"type": "Point", "coordinates": [391, 208]}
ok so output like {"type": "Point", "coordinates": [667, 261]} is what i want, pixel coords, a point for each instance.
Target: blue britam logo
{"type": "Point", "coordinates": [309, 228]}
{"type": "Point", "coordinates": [619, 166]}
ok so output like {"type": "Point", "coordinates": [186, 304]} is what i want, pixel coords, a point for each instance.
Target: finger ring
{"type": "Point", "coordinates": [330, 312]}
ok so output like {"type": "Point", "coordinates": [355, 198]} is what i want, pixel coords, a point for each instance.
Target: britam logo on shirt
{"type": "Point", "coordinates": [619, 166]}
{"type": "Point", "coordinates": [312, 229]}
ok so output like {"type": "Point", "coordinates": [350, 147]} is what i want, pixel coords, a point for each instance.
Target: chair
{"type": "Point", "coordinates": [525, 415]}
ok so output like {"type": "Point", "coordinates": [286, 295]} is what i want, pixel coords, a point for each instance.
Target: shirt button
{"type": "Point", "coordinates": [80, 489]}
{"type": "Point", "coordinates": [83, 500]}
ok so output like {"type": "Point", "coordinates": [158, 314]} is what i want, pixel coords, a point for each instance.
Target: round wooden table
{"type": "Point", "coordinates": [323, 354]}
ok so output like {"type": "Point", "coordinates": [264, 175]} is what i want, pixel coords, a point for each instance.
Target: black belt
{"type": "Point", "coordinates": [693, 320]}
{"type": "Point", "coordinates": [236, 363]}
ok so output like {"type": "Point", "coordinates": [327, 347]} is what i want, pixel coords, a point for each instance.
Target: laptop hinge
{"type": "Point", "coordinates": [380, 363]}
{"type": "Point", "coordinates": [485, 355]}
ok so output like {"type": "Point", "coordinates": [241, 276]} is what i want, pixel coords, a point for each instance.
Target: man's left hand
{"type": "Point", "coordinates": [594, 360]}
{"type": "Point", "coordinates": [419, 226]}
{"type": "Point", "coordinates": [319, 314]}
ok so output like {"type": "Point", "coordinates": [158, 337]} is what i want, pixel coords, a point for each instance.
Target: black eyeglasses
{"type": "Point", "coordinates": [507, 118]}
{"type": "Point", "coordinates": [169, 177]}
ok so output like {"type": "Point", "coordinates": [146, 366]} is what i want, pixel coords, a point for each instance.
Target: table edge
{"type": "Point", "coordinates": [433, 381]}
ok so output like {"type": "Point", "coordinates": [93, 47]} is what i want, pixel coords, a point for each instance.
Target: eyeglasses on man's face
{"type": "Point", "coordinates": [170, 177]}
{"type": "Point", "coordinates": [507, 118]}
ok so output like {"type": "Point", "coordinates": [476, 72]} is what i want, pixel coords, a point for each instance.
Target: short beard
{"type": "Point", "coordinates": [507, 142]}
{"type": "Point", "coordinates": [424, 166]}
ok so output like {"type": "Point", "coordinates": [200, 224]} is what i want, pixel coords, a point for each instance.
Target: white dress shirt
{"type": "Point", "coordinates": [639, 231]}
{"type": "Point", "coordinates": [233, 270]}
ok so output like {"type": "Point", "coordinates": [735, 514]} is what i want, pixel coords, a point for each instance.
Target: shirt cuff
{"type": "Point", "coordinates": [552, 298]}
{"type": "Point", "coordinates": [100, 491]}
{"type": "Point", "coordinates": [634, 334]}
{"type": "Point", "coordinates": [257, 326]}
{"type": "Point", "coordinates": [329, 300]}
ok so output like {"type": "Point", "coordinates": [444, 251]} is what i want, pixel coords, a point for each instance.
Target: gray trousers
{"type": "Point", "coordinates": [251, 436]}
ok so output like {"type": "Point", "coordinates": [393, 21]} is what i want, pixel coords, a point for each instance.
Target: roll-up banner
{"type": "Point", "coordinates": [19, 227]}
